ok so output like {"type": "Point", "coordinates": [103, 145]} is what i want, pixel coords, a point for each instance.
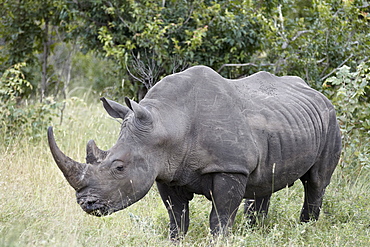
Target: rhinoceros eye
{"type": "Point", "coordinates": [119, 168]}
{"type": "Point", "coordinates": [118, 165]}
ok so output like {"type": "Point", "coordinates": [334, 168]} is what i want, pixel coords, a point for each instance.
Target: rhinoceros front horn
{"type": "Point", "coordinates": [73, 171]}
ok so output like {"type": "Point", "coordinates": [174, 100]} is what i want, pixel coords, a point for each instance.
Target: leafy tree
{"type": "Point", "coordinates": [314, 40]}
{"type": "Point", "coordinates": [150, 39]}
{"type": "Point", "coordinates": [30, 29]}
{"type": "Point", "coordinates": [154, 38]}
{"type": "Point", "coordinates": [310, 39]}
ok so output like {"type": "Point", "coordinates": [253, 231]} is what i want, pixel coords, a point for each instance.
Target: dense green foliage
{"type": "Point", "coordinates": [29, 30]}
{"type": "Point", "coordinates": [321, 37]}
{"type": "Point", "coordinates": [151, 39]}
{"type": "Point", "coordinates": [305, 38]}
{"type": "Point", "coordinates": [353, 110]}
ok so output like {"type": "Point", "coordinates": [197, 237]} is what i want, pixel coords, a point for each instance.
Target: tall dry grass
{"type": "Point", "coordinates": [38, 207]}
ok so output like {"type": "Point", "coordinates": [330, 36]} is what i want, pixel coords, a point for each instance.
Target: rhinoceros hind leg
{"type": "Point", "coordinates": [317, 178]}
{"type": "Point", "coordinates": [312, 200]}
{"type": "Point", "coordinates": [315, 182]}
{"type": "Point", "coordinates": [257, 209]}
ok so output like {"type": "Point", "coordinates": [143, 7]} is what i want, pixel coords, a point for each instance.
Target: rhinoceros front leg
{"type": "Point", "coordinates": [226, 194]}
{"type": "Point", "coordinates": [176, 200]}
{"type": "Point", "coordinates": [257, 209]}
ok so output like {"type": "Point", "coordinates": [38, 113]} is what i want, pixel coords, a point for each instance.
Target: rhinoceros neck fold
{"type": "Point", "coordinates": [73, 171]}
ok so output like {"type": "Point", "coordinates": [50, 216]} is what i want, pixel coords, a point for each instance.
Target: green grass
{"type": "Point", "coordinates": [38, 207]}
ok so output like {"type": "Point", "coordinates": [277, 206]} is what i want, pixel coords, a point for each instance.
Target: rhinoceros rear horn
{"type": "Point", "coordinates": [94, 155]}
{"type": "Point", "coordinates": [73, 171]}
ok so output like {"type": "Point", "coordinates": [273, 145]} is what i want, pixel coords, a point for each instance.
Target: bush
{"type": "Point", "coordinates": [311, 39]}
{"type": "Point", "coordinates": [19, 116]}
{"type": "Point", "coordinates": [348, 92]}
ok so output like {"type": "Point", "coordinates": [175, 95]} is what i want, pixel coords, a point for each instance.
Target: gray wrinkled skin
{"type": "Point", "coordinates": [197, 132]}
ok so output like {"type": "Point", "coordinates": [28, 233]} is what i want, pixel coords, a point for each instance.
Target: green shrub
{"type": "Point", "coordinates": [19, 116]}
{"type": "Point", "coordinates": [348, 92]}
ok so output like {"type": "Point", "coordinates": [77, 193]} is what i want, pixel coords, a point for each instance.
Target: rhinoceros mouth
{"type": "Point", "coordinates": [97, 210]}
{"type": "Point", "coordinates": [100, 212]}
{"type": "Point", "coordinates": [98, 207]}
{"type": "Point", "coordinates": [94, 207]}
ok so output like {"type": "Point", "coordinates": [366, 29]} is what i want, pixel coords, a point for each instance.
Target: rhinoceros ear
{"type": "Point", "coordinates": [115, 109]}
{"type": "Point", "coordinates": [140, 112]}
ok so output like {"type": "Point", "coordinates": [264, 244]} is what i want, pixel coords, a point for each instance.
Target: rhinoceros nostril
{"type": "Point", "coordinates": [88, 204]}
{"type": "Point", "coordinates": [91, 204]}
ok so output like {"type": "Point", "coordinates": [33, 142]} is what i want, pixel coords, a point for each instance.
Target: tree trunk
{"type": "Point", "coordinates": [67, 77]}
{"type": "Point", "coordinates": [45, 57]}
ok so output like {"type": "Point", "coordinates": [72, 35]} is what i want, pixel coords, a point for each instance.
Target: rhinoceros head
{"type": "Point", "coordinates": [112, 180]}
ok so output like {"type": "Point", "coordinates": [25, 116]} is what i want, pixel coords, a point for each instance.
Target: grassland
{"type": "Point", "coordinates": [38, 207]}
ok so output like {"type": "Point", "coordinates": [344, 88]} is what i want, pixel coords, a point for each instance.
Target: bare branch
{"type": "Point", "coordinates": [340, 65]}
{"type": "Point", "coordinates": [146, 73]}
{"type": "Point", "coordinates": [299, 33]}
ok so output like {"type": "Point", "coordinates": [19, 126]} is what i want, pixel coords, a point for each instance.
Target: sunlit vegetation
{"type": "Point", "coordinates": [58, 57]}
